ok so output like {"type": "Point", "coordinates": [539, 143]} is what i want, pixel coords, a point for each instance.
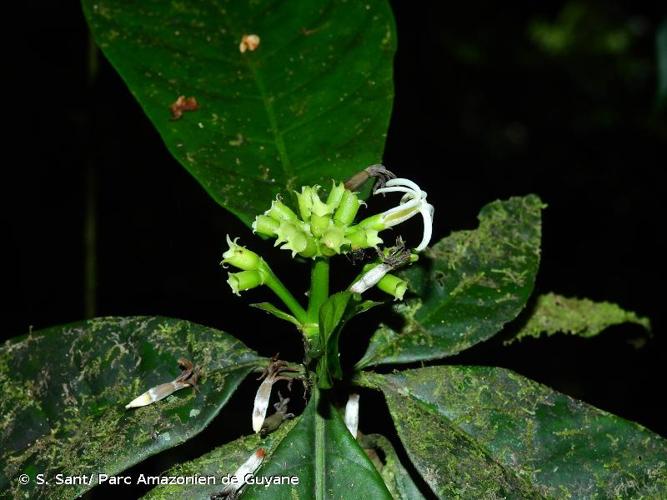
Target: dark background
{"type": "Point", "coordinates": [492, 100]}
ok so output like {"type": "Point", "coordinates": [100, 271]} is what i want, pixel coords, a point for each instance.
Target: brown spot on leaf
{"type": "Point", "coordinates": [183, 104]}
{"type": "Point", "coordinates": [249, 42]}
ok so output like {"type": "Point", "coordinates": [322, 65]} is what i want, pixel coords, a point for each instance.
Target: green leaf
{"type": "Point", "coordinates": [271, 309]}
{"type": "Point", "coordinates": [582, 317]}
{"type": "Point", "coordinates": [471, 285]}
{"type": "Point", "coordinates": [396, 478]}
{"type": "Point", "coordinates": [64, 391]}
{"type": "Point", "coordinates": [332, 316]}
{"type": "Point", "coordinates": [311, 103]}
{"type": "Point", "coordinates": [325, 457]}
{"type": "Point", "coordinates": [480, 432]}
{"type": "Point", "coordinates": [221, 462]}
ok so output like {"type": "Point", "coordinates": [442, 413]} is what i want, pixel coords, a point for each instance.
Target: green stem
{"type": "Point", "coordinates": [319, 288]}
{"type": "Point", "coordinates": [284, 294]}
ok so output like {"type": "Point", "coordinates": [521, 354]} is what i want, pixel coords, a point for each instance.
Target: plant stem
{"type": "Point", "coordinates": [319, 288]}
{"type": "Point", "coordinates": [284, 294]}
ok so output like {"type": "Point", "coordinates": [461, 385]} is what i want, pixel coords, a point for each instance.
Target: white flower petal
{"type": "Point", "coordinates": [397, 189]}
{"type": "Point", "coordinates": [427, 212]}
{"type": "Point", "coordinates": [370, 278]}
{"type": "Point", "coordinates": [352, 414]}
{"type": "Point", "coordinates": [248, 467]}
{"type": "Point", "coordinates": [261, 403]}
{"type": "Point", "coordinates": [411, 208]}
{"type": "Point", "coordinates": [401, 181]}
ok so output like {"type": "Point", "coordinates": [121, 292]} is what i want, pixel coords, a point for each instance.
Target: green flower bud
{"type": "Point", "coordinates": [319, 224]}
{"type": "Point", "coordinates": [335, 195]}
{"type": "Point", "coordinates": [280, 212]}
{"type": "Point", "coordinates": [294, 238]}
{"type": "Point", "coordinates": [319, 207]}
{"type": "Point", "coordinates": [305, 201]}
{"type": "Point", "coordinates": [363, 238]}
{"type": "Point", "coordinates": [334, 238]}
{"type": "Point", "coordinates": [347, 209]}
{"type": "Point", "coordinates": [245, 280]}
{"type": "Point", "coordinates": [393, 285]}
{"type": "Point", "coordinates": [239, 256]}
{"type": "Point", "coordinates": [311, 249]}
{"type": "Point", "coordinates": [373, 222]}
{"type": "Point", "coordinates": [265, 225]}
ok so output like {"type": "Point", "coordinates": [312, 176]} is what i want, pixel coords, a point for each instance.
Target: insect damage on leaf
{"type": "Point", "coordinates": [182, 104]}
{"type": "Point", "coordinates": [249, 42]}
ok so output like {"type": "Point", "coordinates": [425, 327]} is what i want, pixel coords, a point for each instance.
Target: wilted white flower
{"type": "Point", "coordinates": [352, 414]}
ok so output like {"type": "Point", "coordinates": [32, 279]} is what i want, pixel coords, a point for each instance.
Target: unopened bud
{"type": "Point", "coordinates": [280, 212]}
{"type": "Point", "coordinates": [364, 238]}
{"type": "Point", "coordinates": [334, 238]}
{"type": "Point", "coordinates": [245, 280]}
{"type": "Point", "coordinates": [393, 285]}
{"type": "Point", "coordinates": [347, 209]}
{"type": "Point", "coordinates": [240, 257]}
{"type": "Point", "coordinates": [265, 225]}
{"type": "Point", "coordinates": [305, 201]}
{"type": "Point", "coordinates": [335, 195]}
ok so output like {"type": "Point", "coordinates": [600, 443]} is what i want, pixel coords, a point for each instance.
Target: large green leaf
{"type": "Point", "coordinates": [472, 283]}
{"type": "Point", "coordinates": [64, 391]}
{"type": "Point", "coordinates": [220, 463]}
{"type": "Point", "coordinates": [479, 432]}
{"type": "Point", "coordinates": [582, 317]}
{"type": "Point", "coordinates": [325, 457]}
{"type": "Point", "coordinates": [311, 103]}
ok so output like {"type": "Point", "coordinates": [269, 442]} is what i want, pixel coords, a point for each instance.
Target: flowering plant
{"type": "Point", "coordinates": [268, 104]}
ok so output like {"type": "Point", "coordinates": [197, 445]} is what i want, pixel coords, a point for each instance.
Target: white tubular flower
{"type": "Point", "coordinates": [370, 279]}
{"type": "Point", "coordinates": [241, 476]}
{"type": "Point", "coordinates": [188, 378]}
{"type": "Point", "coordinates": [261, 403]}
{"type": "Point", "coordinates": [352, 414]}
{"type": "Point", "coordinates": [276, 371]}
{"type": "Point", "coordinates": [412, 203]}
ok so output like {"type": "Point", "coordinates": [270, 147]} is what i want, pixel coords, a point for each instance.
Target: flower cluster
{"type": "Point", "coordinates": [323, 226]}
{"type": "Point", "coordinates": [326, 228]}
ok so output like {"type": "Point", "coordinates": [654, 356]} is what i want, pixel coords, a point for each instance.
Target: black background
{"type": "Point", "coordinates": [482, 111]}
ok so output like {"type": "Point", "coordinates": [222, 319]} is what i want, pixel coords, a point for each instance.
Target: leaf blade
{"type": "Point", "coordinates": [478, 281]}
{"type": "Point", "coordinates": [581, 317]}
{"type": "Point", "coordinates": [326, 458]}
{"type": "Point", "coordinates": [222, 461]}
{"type": "Point", "coordinates": [546, 443]}
{"type": "Point", "coordinates": [311, 103]}
{"type": "Point", "coordinates": [65, 390]}
{"type": "Point", "coordinates": [396, 477]}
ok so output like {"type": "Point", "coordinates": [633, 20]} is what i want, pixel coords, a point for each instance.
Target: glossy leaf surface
{"type": "Point", "coordinates": [322, 453]}
{"type": "Point", "coordinates": [64, 391]}
{"type": "Point", "coordinates": [310, 103]}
